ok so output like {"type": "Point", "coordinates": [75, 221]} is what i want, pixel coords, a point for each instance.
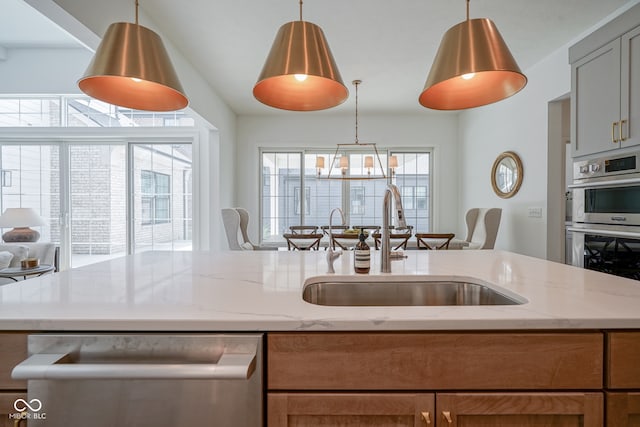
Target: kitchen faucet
{"type": "Point", "coordinates": [331, 255]}
{"type": "Point", "coordinates": [385, 247]}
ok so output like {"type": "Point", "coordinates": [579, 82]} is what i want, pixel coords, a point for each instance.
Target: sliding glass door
{"type": "Point", "coordinates": [161, 176]}
{"type": "Point", "coordinates": [102, 200]}
{"type": "Point", "coordinates": [97, 202]}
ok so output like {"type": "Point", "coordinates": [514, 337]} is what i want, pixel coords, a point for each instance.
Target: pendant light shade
{"type": "Point", "coordinates": [472, 67]}
{"type": "Point", "coordinates": [132, 69]}
{"type": "Point", "coordinates": [300, 73]}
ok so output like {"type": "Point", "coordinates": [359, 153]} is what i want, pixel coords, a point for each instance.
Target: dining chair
{"type": "Point", "coordinates": [340, 228]}
{"type": "Point", "coordinates": [482, 227]}
{"type": "Point", "coordinates": [303, 241]}
{"type": "Point", "coordinates": [303, 229]}
{"type": "Point", "coordinates": [433, 241]}
{"type": "Point", "coordinates": [399, 236]}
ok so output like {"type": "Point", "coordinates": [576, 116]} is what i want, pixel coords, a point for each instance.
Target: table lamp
{"type": "Point", "coordinates": [20, 219]}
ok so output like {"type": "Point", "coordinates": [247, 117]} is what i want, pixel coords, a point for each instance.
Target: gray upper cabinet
{"type": "Point", "coordinates": [605, 88]}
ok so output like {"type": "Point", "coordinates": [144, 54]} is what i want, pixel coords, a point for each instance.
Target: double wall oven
{"type": "Point", "coordinates": [606, 215]}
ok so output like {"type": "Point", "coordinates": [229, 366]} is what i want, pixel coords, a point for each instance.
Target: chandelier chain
{"type": "Point", "coordinates": [357, 83]}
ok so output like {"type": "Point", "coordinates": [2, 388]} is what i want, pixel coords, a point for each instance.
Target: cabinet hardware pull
{"type": "Point", "coordinates": [425, 417]}
{"type": "Point", "coordinates": [622, 137]}
{"type": "Point", "coordinates": [20, 420]}
{"type": "Point", "coordinates": [613, 132]}
{"type": "Point", "coordinates": [447, 416]}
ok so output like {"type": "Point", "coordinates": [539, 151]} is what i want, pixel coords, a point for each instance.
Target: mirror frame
{"type": "Point", "coordinates": [507, 155]}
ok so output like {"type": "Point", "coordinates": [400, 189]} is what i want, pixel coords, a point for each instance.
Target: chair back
{"type": "Point", "coordinates": [303, 229]}
{"type": "Point", "coordinates": [433, 241]}
{"type": "Point", "coordinates": [231, 221]}
{"type": "Point", "coordinates": [244, 225]}
{"type": "Point", "coordinates": [482, 227]}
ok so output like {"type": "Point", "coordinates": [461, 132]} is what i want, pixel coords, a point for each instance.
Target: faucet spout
{"type": "Point", "coordinates": [331, 255]}
{"type": "Point", "coordinates": [385, 247]}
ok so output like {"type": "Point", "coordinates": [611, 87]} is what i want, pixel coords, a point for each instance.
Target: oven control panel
{"type": "Point", "coordinates": [606, 166]}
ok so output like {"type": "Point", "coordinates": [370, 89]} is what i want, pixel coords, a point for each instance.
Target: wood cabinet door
{"type": "Point", "coordinates": [7, 413]}
{"type": "Point", "coordinates": [350, 409]}
{"type": "Point", "coordinates": [595, 101]}
{"type": "Point", "coordinates": [13, 350]}
{"type": "Point", "coordinates": [623, 409]}
{"type": "Point", "coordinates": [630, 84]}
{"type": "Point", "coordinates": [519, 409]}
{"type": "Point", "coordinates": [623, 354]}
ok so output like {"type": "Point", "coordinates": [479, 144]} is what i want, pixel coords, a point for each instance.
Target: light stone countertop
{"type": "Point", "coordinates": [261, 291]}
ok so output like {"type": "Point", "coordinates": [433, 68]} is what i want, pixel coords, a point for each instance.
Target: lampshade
{"type": "Point", "coordinates": [472, 67]}
{"type": "Point", "coordinates": [300, 73]}
{"type": "Point", "coordinates": [21, 219]}
{"type": "Point", "coordinates": [368, 161]}
{"type": "Point", "coordinates": [344, 162]}
{"type": "Point", "coordinates": [132, 69]}
{"type": "Point", "coordinates": [393, 162]}
{"type": "Point", "coordinates": [320, 162]}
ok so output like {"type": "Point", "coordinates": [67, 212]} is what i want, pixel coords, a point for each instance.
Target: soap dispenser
{"type": "Point", "coordinates": [362, 255]}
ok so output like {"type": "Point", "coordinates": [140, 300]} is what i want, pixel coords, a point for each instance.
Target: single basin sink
{"type": "Point", "coordinates": [404, 291]}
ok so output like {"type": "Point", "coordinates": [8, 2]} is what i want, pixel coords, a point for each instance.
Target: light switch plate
{"type": "Point", "coordinates": [535, 213]}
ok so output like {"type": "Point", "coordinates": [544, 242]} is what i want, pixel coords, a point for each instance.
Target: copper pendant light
{"type": "Point", "coordinates": [300, 73]}
{"type": "Point", "coordinates": [472, 67]}
{"type": "Point", "coordinates": [132, 69]}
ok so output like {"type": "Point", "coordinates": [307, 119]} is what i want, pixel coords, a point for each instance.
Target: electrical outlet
{"type": "Point", "coordinates": [535, 213]}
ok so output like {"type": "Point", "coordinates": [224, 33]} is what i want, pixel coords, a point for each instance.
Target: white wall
{"type": "Point", "coordinates": [324, 130]}
{"type": "Point", "coordinates": [516, 124]}
{"type": "Point", "coordinates": [42, 71]}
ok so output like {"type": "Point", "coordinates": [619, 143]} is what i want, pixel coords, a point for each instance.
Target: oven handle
{"type": "Point", "coordinates": [230, 366]}
{"type": "Point", "coordinates": [600, 232]}
{"type": "Point", "coordinates": [607, 183]}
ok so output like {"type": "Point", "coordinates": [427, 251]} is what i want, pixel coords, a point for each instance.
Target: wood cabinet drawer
{"type": "Point", "coordinates": [623, 356]}
{"type": "Point", "coordinates": [434, 361]}
{"type": "Point", "coordinates": [13, 350]}
{"type": "Point", "coordinates": [7, 399]}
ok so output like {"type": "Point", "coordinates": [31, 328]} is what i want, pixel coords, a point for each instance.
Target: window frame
{"type": "Point", "coordinates": [302, 152]}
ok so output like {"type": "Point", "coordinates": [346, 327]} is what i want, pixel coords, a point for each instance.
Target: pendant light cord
{"type": "Point", "coordinates": [468, 1]}
{"type": "Point", "coordinates": [301, 10]}
{"type": "Point", "coordinates": [356, 83]}
{"type": "Point", "coordinates": [137, 4]}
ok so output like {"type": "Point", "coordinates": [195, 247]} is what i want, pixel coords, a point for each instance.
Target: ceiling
{"type": "Point", "coordinates": [388, 44]}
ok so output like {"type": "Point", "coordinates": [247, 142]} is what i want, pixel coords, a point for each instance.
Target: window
{"type": "Point", "coordinates": [156, 192]}
{"type": "Point", "coordinates": [413, 177]}
{"type": "Point", "coordinates": [307, 200]}
{"type": "Point", "coordinates": [285, 173]}
{"type": "Point", "coordinates": [357, 201]}
{"type": "Point", "coordinates": [81, 111]}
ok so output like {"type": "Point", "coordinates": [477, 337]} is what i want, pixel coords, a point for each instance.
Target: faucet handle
{"type": "Point", "coordinates": [331, 256]}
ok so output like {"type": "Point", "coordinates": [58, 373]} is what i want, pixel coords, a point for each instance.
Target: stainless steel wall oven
{"type": "Point", "coordinates": [606, 215]}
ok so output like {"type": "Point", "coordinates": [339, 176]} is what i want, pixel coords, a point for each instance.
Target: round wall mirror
{"type": "Point", "coordinates": [506, 174]}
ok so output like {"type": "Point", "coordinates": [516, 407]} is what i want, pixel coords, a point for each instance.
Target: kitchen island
{"type": "Point", "coordinates": [567, 352]}
{"type": "Point", "coordinates": [261, 291]}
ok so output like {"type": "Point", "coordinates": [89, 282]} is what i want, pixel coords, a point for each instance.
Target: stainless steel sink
{"type": "Point", "coordinates": [404, 291]}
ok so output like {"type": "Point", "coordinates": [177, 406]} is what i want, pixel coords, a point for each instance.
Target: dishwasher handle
{"type": "Point", "coordinates": [230, 366]}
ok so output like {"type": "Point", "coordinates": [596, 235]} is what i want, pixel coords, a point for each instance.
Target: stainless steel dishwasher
{"type": "Point", "coordinates": [141, 380]}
